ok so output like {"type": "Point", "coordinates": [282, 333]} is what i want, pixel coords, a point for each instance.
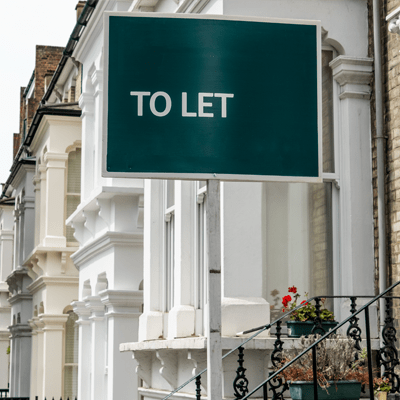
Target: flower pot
{"type": "Point", "coordinates": [304, 328]}
{"type": "Point", "coordinates": [341, 390]}
{"type": "Point", "coordinates": [381, 396]}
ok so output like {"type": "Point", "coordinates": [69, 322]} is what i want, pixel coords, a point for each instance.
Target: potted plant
{"type": "Point", "coordinates": [340, 373]}
{"type": "Point", "coordinates": [381, 388]}
{"type": "Point", "coordinates": [302, 321]}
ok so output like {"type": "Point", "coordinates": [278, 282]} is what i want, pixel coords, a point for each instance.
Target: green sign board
{"type": "Point", "coordinates": [202, 97]}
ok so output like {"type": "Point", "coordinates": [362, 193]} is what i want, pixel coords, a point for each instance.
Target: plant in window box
{"type": "Point", "coordinates": [303, 320]}
{"type": "Point", "coordinates": [341, 370]}
{"type": "Point", "coordinates": [381, 388]}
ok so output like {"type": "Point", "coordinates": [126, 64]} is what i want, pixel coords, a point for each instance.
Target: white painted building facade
{"type": "Point", "coordinates": [142, 257]}
{"type": "Point", "coordinates": [18, 280]}
{"type": "Point", "coordinates": [274, 235]}
{"type": "Point", "coordinates": [6, 252]}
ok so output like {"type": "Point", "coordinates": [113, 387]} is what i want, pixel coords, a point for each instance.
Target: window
{"type": "Point", "coordinates": [73, 193]}
{"type": "Point", "coordinates": [71, 357]}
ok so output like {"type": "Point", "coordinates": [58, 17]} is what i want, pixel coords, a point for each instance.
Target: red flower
{"type": "Point", "coordinates": [286, 299]}
{"type": "Point", "coordinates": [293, 289]}
{"type": "Point", "coordinates": [304, 302]}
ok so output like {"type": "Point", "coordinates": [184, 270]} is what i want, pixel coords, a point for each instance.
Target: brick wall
{"type": "Point", "coordinates": [47, 59]}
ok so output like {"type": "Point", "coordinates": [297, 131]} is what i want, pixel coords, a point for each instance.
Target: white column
{"type": "Point", "coordinates": [6, 253]}
{"type": "Point", "coordinates": [98, 336]}
{"type": "Point", "coordinates": [53, 353]}
{"type": "Point", "coordinates": [356, 197]}
{"type": "Point", "coordinates": [39, 357]}
{"type": "Point", "coordinates": [28, 226]}
{"type": "Point", "coordinates": [151, 321]}
{"type": "Point", "coordinates": [123, 311]}
{"type": "Point", "coordinates": [16, 237]}
{"type": "Point", "coordinates": [84, 357]}
{"type": "Point", "coordinates": [34, 358]}
{"type": "Point", "coordinates": [55, 195]}
{"type": "Point", "coordinates": [86, 105]}
{"type": "Point", "coordinates": [356, 207]}
{"type": "Point", "coordinates": [4, 358]}
{"type": "Point", "coordinates": [36, 184]}
{"type": "Point", "coordinates": [13, 369]}
{"type": "Point", "coordinates": [42, 204]}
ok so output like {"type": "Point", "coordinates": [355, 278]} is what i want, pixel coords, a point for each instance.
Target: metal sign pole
{"type": "Point", "coordinates": [214, 349]}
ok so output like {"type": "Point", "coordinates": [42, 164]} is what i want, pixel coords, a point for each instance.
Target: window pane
{"type": "Point", "coordinates": [71, 357]}
{"type": "Point", "coordinates": [170, 193]}
{"type": "Point", "coordinates": [74, 172]}
{"type": "Point", "coordinates": [70, 382]}
{"type": "Point", "coordinates": [71, 339]}
{"type": "Point", "coordinates": [72, 204]}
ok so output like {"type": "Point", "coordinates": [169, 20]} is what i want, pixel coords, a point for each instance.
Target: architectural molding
{"type": "Point", "coordinates": [43, 281]}
{"type": "Point", "coordinates": [122, 303]}
{"type": "Point", "coordinates": [143, 370]}
{"type": "Point", "coordinates": [82, 312]}
{"type": "Point", "coordinates": [20, 330]}
{"type": "Point", "coordinates": [169, 366]}
{"type": "Point", "coordinates": [353, 75]}
{"type": "Point", "coordinates": [104, 242]}
{"type": "Point", "coordinates": [199, 360]}
{"type": "Point", "coordinates": [96, 307]}
{"type": "Point", "coordinates": [53, 322]}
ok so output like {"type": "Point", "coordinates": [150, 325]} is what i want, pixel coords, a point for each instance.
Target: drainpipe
{"type": "Point", "coordinates": [380, 159]}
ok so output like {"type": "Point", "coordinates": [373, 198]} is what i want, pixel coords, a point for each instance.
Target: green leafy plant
{"type": "Point", "coordinates": [8, 350]}
{"type": "Point", "coordinates": [381, 385]}
{"type": "Point", "coordinates": [306, 313]}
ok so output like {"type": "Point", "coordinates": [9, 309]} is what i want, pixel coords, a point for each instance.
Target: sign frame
{"type": "Point", "coordinates": [208, 176]}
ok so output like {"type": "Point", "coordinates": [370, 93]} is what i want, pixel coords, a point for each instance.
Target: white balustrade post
{"type": "Point", "coordinates": [84, 356]}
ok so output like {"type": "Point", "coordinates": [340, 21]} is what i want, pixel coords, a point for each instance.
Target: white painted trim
{"type": "Point", "coordinates": [202, 177]}
{"type": "Point", "coordinates": [104, 242]}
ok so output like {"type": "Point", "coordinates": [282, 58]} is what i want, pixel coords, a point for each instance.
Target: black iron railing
{"type": "Point", "coordinates": [387, 356]}
{"type": "Point", "coordinates": [52, 398]}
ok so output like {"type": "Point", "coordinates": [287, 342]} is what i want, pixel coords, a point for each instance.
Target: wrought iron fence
{"type": "Point", "coordinates": [387, 355]}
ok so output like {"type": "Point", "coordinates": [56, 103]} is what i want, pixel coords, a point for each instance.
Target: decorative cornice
{"type": "Point", "coordinates": [96, 307]}
{"type": "Point", "coordinates": [53, 322]}
{"type": "Point", "coordinates": [15, 281]}
{"type": "Point", "coordinates": [353, 75]}
{"type": "Point", "coordinates": [20, 330]}
{"type": "Point", "coordinates": [19, 297]}
{"type": "Point", "coordinates": [44, 281]}
{"type": "Point", "coordinates": [82, 311]}
{"type": "Point", "coordinates": [122, 303]}
{"type": "Point", "coordinates": [103, 243]}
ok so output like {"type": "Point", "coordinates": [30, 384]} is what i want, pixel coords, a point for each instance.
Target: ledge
{"type": "Point", "coordinates": [228, 343]}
